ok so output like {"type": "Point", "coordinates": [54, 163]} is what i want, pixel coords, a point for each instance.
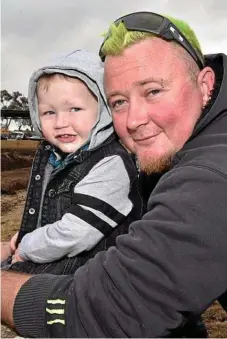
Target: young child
{"type": "Point", "coordinates": [83, 189]}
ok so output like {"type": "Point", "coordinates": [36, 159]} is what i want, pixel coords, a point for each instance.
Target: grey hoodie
{"type": "Point", "coordinates": [87, 67]}
{"type": "Point", "coordinates": [72, 235]}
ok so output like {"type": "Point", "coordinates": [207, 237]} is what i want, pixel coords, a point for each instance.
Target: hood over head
{"type": "Point", "coordinates": [87, 67]}
{"type": "Point", "coordinates": [218, 104]}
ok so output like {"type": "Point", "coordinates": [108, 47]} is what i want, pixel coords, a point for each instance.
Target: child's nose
{"type": "Point", "coordinates": [61, 120]}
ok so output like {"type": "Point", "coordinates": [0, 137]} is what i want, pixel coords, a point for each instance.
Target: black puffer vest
{"type": "Point", "coordinates": [59, 196]}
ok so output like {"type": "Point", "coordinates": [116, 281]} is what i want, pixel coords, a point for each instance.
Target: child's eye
{"type": "Point", "coordinates": [75, 109]}
{"type": "Point", "coordinates": [48, 113]}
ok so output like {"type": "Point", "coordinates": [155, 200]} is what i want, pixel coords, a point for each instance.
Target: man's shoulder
{"type": "Point", "coordinates": [214, 160]}
{"type": "Point", "coordinates": [208, 149]}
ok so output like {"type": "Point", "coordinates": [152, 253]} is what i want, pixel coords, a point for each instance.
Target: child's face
{"type": "Point", "coordinates": [67, 111]}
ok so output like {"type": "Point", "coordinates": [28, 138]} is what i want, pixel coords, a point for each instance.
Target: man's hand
{"type": "Point", "coordinates": [11, 282]}
{"type": "Point", "coordinates": [16, 257]}
{"type": "Point", "coordinates": [5, 250]}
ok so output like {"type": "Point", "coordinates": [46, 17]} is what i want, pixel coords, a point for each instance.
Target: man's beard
{"type": "Point", "coordinates": [151, 165]}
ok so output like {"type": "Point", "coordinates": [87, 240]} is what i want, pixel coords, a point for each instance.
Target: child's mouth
{"type": "Point", "coordinates": [67, 138]}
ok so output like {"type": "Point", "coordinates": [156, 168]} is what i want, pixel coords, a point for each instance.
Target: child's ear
{"type": "Point", "coordinates": [206, 80]}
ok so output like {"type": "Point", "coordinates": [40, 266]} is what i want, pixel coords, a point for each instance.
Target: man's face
{"type": "Point", "coordinates": [68, 111]}
{"type": "Point", "coordinates": [154, 102]}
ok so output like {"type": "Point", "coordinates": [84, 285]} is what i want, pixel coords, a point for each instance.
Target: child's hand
{"type": "Point", "coordinates": [16, 257]}
{"type": "Point", "coordinates": [5, 250]}
{"type": "Point", "coordinates": [13, 242]}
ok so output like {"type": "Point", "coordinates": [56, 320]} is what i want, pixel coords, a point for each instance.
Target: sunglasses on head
{"type": "Point", "coordinates": [158, 25]}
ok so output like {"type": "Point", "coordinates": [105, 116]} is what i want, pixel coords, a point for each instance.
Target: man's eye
{"type": "Point", "coordinates": [75, 109]}
{"type": "Point", "coordinates": [154, 91]}
{"type": "Point", "coordinates": [117, 104]}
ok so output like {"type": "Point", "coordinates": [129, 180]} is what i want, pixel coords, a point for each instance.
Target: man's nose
{"type": "Point", "coordinates": [137, 115]}
{"type": "Point", "coordinates": [61, 120]}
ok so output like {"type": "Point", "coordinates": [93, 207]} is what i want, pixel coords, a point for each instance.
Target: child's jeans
{"type": "Point", "coordinates": [62, 266]}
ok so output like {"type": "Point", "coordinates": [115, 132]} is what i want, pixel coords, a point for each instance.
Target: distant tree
{"type": "Point", "coordinates": [17, 101]}
{"type": "Point", "coordinates": [28, 132]}
{"type": "Point", "coordinates": [5, 122]}
{"type": "Point", "coordinates": [20, 123]}
{"type": "Point", "coordinates": [5, 99]}
{"type": "Point", "coordinates": [29, 123]}
{"type": "Point", "coordinates": [23, 123]}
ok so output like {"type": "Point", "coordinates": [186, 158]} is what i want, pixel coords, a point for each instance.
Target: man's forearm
{"type": "Point", "coordinates": [11, 284]}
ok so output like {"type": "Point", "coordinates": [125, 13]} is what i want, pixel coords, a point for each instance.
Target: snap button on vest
{"type": "Point", "coordinates": [37, 177]}
{"type": "Point", "coordinates": [47, 147]}
{"type": "Point", "coordinates": [51, 193]}
{"type": "Point", "coordinates": [31, 211]}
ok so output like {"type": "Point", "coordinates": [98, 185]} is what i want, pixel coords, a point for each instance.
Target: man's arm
{"type": "Point", "coordinates": [11, 283]}
{"type": "Point", "coordinates": [29, 322]}
{"type": "Point", "coordinates": [170, 267]}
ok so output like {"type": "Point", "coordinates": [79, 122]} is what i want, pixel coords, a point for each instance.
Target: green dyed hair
{"type": "Point", "coordinates": [120, 38]}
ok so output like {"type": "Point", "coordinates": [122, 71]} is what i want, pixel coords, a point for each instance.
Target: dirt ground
{"type": "Point", "coordinates": [13, 184]}
{"type": "Point", "coordinates": [14, 180]}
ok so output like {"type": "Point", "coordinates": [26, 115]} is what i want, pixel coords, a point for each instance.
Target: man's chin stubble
{"type": "Point", "coordinates": [152, 165]}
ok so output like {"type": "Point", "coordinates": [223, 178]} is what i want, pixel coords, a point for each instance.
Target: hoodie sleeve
{"type": "Point", "coordinates": [100, 203]}
{"type": "Point", "coordinates": [171, 266]}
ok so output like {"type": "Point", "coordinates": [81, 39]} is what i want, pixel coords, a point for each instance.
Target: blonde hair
{"type": "Point", "coordinates": [46, 79]}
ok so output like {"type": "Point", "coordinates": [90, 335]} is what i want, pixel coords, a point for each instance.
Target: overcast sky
{"type": "Point", "coordinates": [33, 31]}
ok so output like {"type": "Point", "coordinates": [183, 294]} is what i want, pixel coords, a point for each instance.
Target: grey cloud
{"type": "Point", "coordinates": [33, 31]}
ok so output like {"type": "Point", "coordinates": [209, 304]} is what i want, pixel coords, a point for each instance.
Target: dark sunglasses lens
{"type": "Point", "coordinates": [141, 21]}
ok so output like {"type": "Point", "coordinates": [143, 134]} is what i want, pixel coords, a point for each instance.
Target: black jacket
{"type": "Point", "coordinates": [60, 198]}
{"type": "Point", "coordinates": [172, 264]}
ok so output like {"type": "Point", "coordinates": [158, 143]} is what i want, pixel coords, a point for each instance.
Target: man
{"type": "Point", "coordinates": [169, 106]}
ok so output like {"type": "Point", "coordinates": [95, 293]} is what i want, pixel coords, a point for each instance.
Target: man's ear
{"type": "Point", "coordinates": [206, 80]}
